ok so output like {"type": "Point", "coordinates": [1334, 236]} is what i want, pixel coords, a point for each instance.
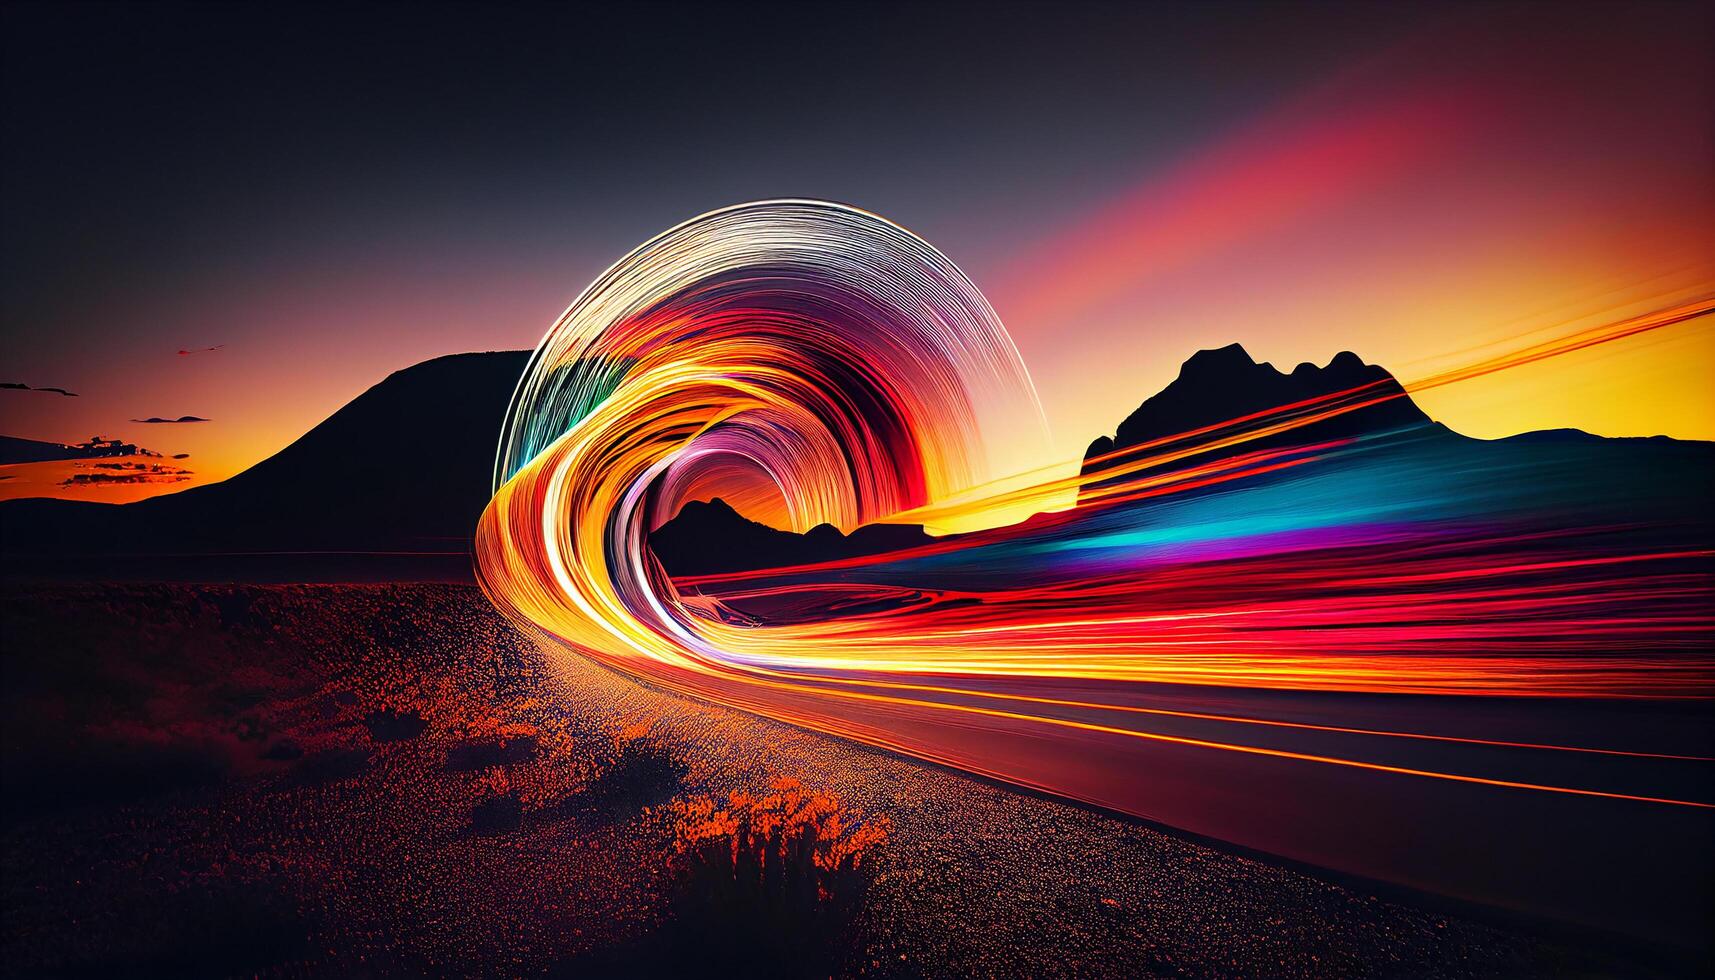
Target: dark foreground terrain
{"type": "Point", "coordinates": [385, 780]}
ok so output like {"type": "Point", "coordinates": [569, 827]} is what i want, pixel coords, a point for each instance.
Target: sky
{"type": "Point", "coordinates": [326, 195]}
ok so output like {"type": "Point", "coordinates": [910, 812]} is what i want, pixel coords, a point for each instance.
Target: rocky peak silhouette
{"type": "Point", "coordinates": [1225, 383]}
{"type": "Point", "coordinates": [708, 537]}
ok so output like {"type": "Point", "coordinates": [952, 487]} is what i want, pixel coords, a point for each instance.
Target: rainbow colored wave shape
{"type": "Point", "coordinates": [808, 355]}
{"type": "Point", "coordinates": [817, 364]}
{"type": "Point", "coordinates": [1402, 654]}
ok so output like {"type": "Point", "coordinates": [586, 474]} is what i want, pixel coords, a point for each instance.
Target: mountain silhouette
{"type": "Point", "coordinates": [404, 467]}
{"type": "Point", "coordinates": [708, 537]}
{"type": "Point", "coordinates": [1226, 383]}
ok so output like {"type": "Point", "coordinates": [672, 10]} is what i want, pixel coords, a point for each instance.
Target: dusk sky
{"type": "Point", "coordinates": [327, 197]}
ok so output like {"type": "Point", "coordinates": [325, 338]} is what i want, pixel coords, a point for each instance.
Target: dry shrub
{"type": "Point", "coordinates": [773, 882]}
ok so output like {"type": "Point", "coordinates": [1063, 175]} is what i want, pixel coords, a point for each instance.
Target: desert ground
{"type": "Point", "coordinates": [377, 780]}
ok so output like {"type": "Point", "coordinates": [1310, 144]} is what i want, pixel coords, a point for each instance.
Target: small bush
{"type": "Point", "coordinates": [772, 883]}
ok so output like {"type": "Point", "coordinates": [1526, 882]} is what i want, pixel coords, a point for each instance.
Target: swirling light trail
{"type": "Point", "coordinates": [849, 370]}
{"type": "Point", "coordinates": [826, 366]}
{"type": "Point", "coordinates": [844, 362]}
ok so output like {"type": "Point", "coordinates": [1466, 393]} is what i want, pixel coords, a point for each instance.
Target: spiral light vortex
{"type": "Point", "coordinates": [1214, 637]}
{"type": "Point", "coordinates": [839, 362]}
{"type": "Point", "coordinates": [823, 365]}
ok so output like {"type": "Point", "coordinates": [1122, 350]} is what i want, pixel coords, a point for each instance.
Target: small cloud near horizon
{"type": "Point", "coordinates": [130, 473]}
{"type": "Point", "coordinates": [201, 350]}
{"type": "Point", "coordinates": [157, 420]}
{"type": "Point", "coordinates": [15, 450]}
{"type": "Point", "coordinates": [20, 386]}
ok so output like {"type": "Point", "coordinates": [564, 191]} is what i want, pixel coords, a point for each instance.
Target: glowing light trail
{"type": "Point", "coordinates": [826, 366]}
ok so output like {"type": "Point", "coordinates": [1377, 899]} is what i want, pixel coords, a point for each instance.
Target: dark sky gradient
{"type": "Point", "coordinates": [333, 193]}
{"type": "Point", "coordinates": [164, 139]}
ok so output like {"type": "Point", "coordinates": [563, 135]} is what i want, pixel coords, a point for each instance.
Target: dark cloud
{"type": "Point", "coordinates": [157, 420]}
{"type": "Point", "coordinates": [201, 350]}
{"type": "Point", "coordinates": [181, 455]}
{"type": "Point", "coordinates": [139, 467]}
{"type": "Point", "coordinates": [20, 386]}
{"type": "Point", "coordinates": [15, 450]}
{"type": "Point", "coordinates": [130, 473]}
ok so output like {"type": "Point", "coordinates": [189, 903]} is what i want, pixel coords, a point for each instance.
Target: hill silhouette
{"type": "Point", "coordinates": [708, 537]}
{"type": "Point", "coordinates": [404, 467]}
{"type": "Point", "coordinates": [1226, 383]}
{"type": "Point", "coordinates": [403, 471]}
